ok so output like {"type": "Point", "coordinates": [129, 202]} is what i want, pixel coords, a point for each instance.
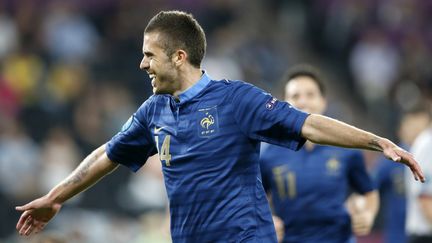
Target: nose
{"type": "Point", "coordinates": [144, 65]}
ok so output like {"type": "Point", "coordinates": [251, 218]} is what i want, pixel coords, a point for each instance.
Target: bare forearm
{"type": "Point", "coordinates": [91, 169]}
{"type": "Point", "coordinates": [324, 130]}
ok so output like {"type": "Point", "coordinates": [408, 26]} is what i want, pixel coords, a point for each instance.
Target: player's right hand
{"type": "Point", "coordinates": [36, 215]}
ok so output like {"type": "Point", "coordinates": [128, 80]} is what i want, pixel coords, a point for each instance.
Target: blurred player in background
{"type": "Point", "coordinates": [390, 180]}
{"type": "Point", "coordinates": [207, 134]}
{"type": "Point", "coordinates": [419, 197]}
{"type": "Point", "coordinates": [309, 187]}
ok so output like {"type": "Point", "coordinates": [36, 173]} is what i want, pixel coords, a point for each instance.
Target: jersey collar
{"type": "Point", "coordinates": [195, 89]}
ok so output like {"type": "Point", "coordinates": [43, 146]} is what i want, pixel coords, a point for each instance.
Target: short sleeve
{"type": "Point", "coordinates": [133, 145]}
{"type": "Point", "coordinates": [262, 117]}
{"type": "Point", "coordinates": [358, 177]}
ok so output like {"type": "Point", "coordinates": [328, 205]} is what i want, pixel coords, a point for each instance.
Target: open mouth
{"type": "Point", "coordinates": [153, 79]}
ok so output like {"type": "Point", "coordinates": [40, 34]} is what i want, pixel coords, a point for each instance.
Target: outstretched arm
{"type": "Point", "coordinates": [37, 213]}
{"type": "Point", "coordinates": [324, 130]}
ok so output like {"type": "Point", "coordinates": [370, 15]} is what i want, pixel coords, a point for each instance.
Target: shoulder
{"type": "Point", "coordinates": [147, 107]}
{"type": "Point", "coordinates": [244, 92]}
{"type": "Point", "coordinates": [234, 85]}
{"type": "Point", "coordinates": [236, 90]}
{"type": "Point", "coordinates": [242, 85]}
{"type": "Point", "coordinates": [230, 84]}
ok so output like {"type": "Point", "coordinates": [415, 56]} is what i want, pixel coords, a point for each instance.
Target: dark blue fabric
{"type": "Point", "coordinates": [211, 166]}
{"type": "Point", "coordinates": [309, 189]}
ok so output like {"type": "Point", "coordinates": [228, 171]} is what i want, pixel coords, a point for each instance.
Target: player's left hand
{"type": "Point", "coordinates": [398, 154]}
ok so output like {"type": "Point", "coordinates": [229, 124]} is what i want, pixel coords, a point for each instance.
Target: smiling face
{"type": "Point", "coordinates": [160, 67]}
{"type": "Point", "coordinates": [303, 92]}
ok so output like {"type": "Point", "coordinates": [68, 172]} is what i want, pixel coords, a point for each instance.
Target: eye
{"type": "Point", "coordinates": [148, 55]}
{"type": "Point", "coordinates": [295, 96]}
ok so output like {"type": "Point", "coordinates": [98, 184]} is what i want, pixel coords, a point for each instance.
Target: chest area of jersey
{"type": "Point", "coordinates": [194, 129]}
{"type": "Point", "coordinates": [189, 121]}
{"type": "Point", "coordinates": [192, 121]}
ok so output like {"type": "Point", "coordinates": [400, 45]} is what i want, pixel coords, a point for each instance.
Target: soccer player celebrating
{"type": "Point", "coordinates": [308, 188]}
{"type": "Point", "coordinates": [207, 134]}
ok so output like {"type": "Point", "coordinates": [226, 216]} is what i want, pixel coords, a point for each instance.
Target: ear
{"type": "Point", "coordinates": [180, 57]}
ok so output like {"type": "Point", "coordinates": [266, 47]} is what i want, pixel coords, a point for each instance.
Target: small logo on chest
{"type": "Point", "coordinates": [333, 166]}
{"type": "Point", "coordinates": [208, 122]}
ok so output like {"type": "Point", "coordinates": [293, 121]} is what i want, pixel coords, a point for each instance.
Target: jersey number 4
{"type": "Point", "coordinates": [164, 152]}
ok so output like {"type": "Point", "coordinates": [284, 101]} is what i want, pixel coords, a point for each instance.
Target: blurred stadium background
{"type": "Point", "coordinates": [69, 79]}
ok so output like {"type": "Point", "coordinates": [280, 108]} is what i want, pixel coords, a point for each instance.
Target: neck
{"type": "Point", "coordinates": [188, 78]}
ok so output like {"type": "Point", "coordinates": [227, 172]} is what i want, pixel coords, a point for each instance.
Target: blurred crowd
{"type": "Point", "coordinates": [69, 79]}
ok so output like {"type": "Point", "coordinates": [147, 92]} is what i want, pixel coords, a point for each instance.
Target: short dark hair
{"type": "Point", "coordinates": [305, 70]}
{"type": "Point", "coordinates": [180, 31]}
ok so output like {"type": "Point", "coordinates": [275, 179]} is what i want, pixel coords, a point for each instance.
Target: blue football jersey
{"type": "Point", "coordinates": [209, 143]}
{"type": "Point", "coordinates": [309, 189]}
{"type": "Point", "coordinates": [390, 181]}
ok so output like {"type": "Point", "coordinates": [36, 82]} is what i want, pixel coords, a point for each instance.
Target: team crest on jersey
{"type": "Point", "coordinates": [207, 122]}
{"type": "Point", "coordinates": [333, 166]}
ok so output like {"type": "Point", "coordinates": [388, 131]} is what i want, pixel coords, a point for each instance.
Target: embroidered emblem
{"type": "Point", "coordinates": [271, 103]}
{"type": "Point", "coordinates": [333, 166]}
{"type": "Point", "coordinates": [208, 121]}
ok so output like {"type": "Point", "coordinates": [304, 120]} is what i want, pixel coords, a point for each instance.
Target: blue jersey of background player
{"type": "Point", "coordinates": [308, 188]}
{"type": "Point", "coordinates": [390, 182]}
{"type": "Point", "coordinates": [207, 135]}
{"type": "Point", "coordinates": [390, 176]}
